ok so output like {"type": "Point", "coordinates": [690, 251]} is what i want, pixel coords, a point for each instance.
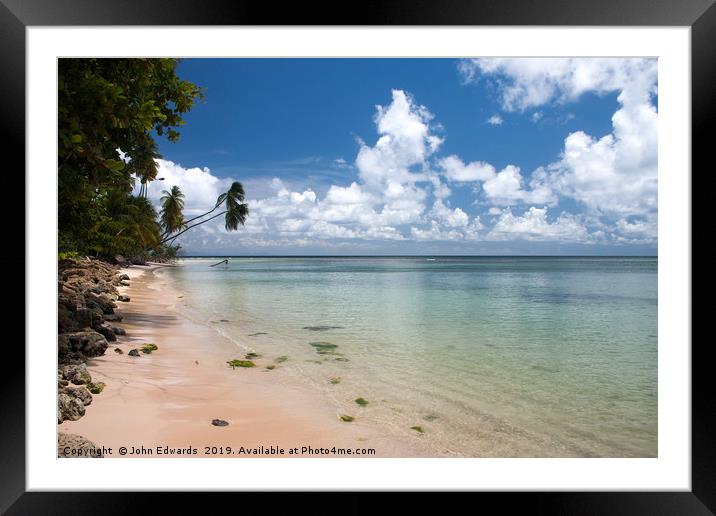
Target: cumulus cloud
{"type": "Point", "coordinates": [507, 187]}
{"type": "Point", "coordinates": [456, 170]}
{"type": "Point", "coordinates": [495, 120]}
{"type": "Point", "coordinates": [614, 175]}
{"type": "Point", "coordinates": [199, 185]}
{"type": "Point", "coordinates": [532, 82]}
{"type": "Point", "coordinates": [534, 225]}
{"type": "Point", "coordinates": [401, 186]}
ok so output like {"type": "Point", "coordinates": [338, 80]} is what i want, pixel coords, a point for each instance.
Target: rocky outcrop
{"type": "Point", "coordinates": [76, 446]}
{"type": "Point", "coordinates": [81, 344]}
{"type": "Point", "coordinates": [74, 373]}
{"type": "Point", "coordinates": [86, 295]}
{"type": "Point", "coordinates": [71, 403]}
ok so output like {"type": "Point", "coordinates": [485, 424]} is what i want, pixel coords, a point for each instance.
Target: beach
{"type": "Point", "coordinates": [385, 357]}
{"type": "Point", "coordinates": [166, 401]}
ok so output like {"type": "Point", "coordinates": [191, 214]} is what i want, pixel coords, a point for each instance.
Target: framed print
{"type": "Point", "coordinates": [421, 249]}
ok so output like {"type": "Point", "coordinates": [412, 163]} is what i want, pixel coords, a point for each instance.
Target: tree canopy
{"type": "Point", "coordinates": [104, 106]}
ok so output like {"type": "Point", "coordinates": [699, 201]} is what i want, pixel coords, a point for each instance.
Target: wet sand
{"type": "Point", "coordinates": [168, 398]}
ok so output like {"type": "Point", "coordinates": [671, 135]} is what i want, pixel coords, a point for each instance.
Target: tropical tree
{"type": "Point", "coordinates": [235, 211]}
{"type": "Point", "coordinates": [171, 216]}
{"type": "Point", "coordinates": [106, 105]}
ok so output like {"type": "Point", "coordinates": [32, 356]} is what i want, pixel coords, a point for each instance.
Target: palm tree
{"type": "Point", "coordinates": [144, 164]}
{"type": "Point", "coordinates": [236, 211]}
{"type": "Point", "coordinates": [171, 215]}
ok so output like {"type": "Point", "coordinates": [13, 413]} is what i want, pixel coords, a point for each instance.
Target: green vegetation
{"type": "Point", "coordinates": [271, 367]}
{"type": "Point", "coordinates": [148, 348]}
{"type": "Point", "coordinates": [418, 429]}
{"type": "Point", "coordinates": [240, 363]}
{"type": "Point", "coordinates": [347, 419]}
{"type": "Point", "coordinates": [334, 381]}
{"type": "Point", "coordinates": [281, 359]}
{"type": "Point", "coordinates": [96, 388]}
{"type": "Point", "coordinates": [361, 401]}
{"type": "Point", "coordinates": [251, 354]}
{"type": "Point", "coordinates": [109, 113]}
{"type": "Point", "coordinates": [324, 348]}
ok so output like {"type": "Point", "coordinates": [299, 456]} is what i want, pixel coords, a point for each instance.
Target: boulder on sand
{"type": "Point", "coordinates": [76, 446]}
{"type": "Point", "coordinates": [88, 342]}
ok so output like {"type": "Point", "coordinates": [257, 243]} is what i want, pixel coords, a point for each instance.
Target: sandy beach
{"type": "Point", "coordinates": [169, 398]}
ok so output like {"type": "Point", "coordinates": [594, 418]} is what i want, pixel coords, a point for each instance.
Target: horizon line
{"type": "Point", "coordinates": [420, 256]}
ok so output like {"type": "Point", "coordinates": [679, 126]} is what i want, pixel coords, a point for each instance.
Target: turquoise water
{"type": "Point", "coordinates": [491, 356]}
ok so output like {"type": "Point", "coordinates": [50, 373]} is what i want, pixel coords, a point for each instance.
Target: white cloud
{"type": "Point", "coordinates": [199, 185]}
{"type": "Point", "coordinates": [533, 82]}
{"type": "Point", "coordinates": [495, 120]}
{"type": "Point", "coordinates": [402, 185]}
{"type": "Point", "coordinates": [453, 218]}
{"type": "Point", "coordinates": [507, 187]}
{"type": "Point", "coordinates": [533, 225]}
{"type": "Point", "coordinates": [456, 170]}
{"type": "Point", "coordinates": [613, 175]}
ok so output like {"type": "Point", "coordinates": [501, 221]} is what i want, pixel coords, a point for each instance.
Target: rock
{"type": "Point", "coordinates": [121, 261]}
{"type": "Point", "coordinates": [118, 351]}
{"type": "Point", "coordinates": [95, 388]}
{"type": "Point", "coordinates": [146, 351]}
{"type": "Point", "coordinates": [124, 277]}
{"type": "Point", "coordinates": [106, 332]}
{"type": "Point", "coordinates": [66, 321]}
{"type": "Point", "coordinates": [82, 393]}
{"type": "Point", "coordinates": [88, 318]}
{"type": "Point", "coordinates": [124, 283]}
{"type": "Point", "coordinates": [133, 353]}
{"type": "Point", "coordinates": [118, 331]}
{"type": "Point", "coordinates": [69, 405]}
{"type": "Point", "coordinates": [123, 298]}
{"type": "Point", "coordinates": [76, 446]}
{"type": "Point", "coordinates": [89, 343]}
{"type": "Point", "coordinates": [219, 422]}
{"type": "Point", "coordinates": [77, 374]}
{"type": "Point", "coordinates": [113, 317]}
{"type": "Point", "coordinates": [322, 328]}
{"type": "Point", "coordinates": [101, 301]}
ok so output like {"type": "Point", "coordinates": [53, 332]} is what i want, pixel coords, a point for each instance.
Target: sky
{"type": "Point", "coordinates": [528, 156]}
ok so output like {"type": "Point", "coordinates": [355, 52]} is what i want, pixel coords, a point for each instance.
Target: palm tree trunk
{"type": "Point", "coordinates": [169, 239]}
{"type": "Point", "coordinates": [202, 215]}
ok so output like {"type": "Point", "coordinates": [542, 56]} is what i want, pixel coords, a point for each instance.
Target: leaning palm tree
{"type": "Point", "coordinates": [235, 211]}
{"type": "Point", "coordinates": [171, 216]}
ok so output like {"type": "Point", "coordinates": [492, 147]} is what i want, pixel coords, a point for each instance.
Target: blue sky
{"type": "Point", "coordinates": [422, 156]}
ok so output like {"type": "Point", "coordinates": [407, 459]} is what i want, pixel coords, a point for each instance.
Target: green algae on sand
{"type": "Point", "coordinates": [240, 363]}
{"type": "Point", "coordinates": [324, 348]}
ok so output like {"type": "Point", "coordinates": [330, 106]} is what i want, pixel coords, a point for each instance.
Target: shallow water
{"type": "Point", "coordinates": [490, 356]}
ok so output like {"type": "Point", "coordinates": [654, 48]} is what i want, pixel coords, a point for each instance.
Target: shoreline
{"type": "Point", "coordinates": [169, 398]}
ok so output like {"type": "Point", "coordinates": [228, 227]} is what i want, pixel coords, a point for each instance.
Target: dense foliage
{"type": "Point", "coordinates": [106, 105]}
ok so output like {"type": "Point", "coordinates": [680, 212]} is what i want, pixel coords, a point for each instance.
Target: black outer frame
{"type": "Point", "coordinates": [700, 15]}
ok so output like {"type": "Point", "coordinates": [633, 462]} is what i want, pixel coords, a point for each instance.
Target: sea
{"type": "Point", "coordinates": [475, 356]}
